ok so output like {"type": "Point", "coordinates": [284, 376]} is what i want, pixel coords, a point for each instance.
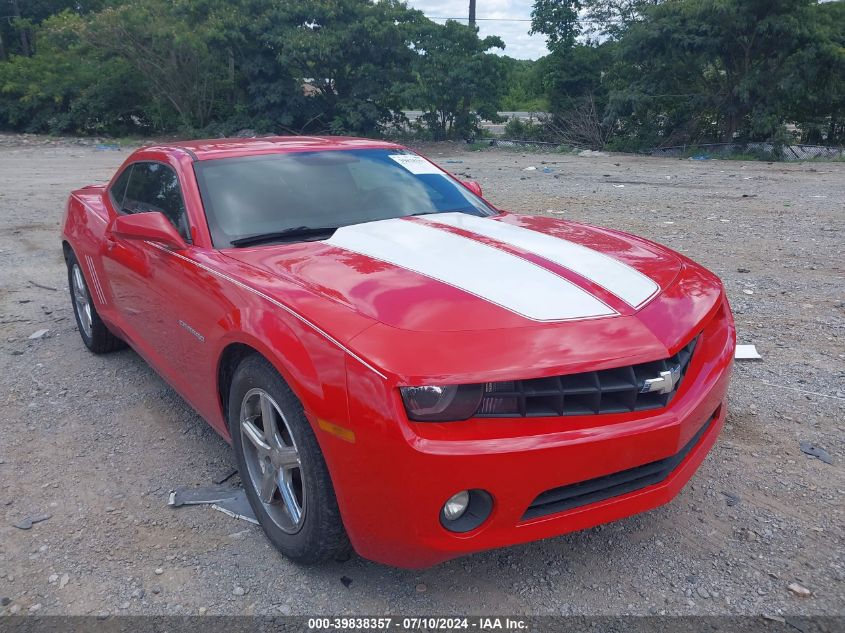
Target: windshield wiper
{"type": "Point", "coordinates": [296, 232]}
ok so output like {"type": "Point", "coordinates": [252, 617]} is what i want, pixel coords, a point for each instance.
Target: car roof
{"type": "Point", "coordinates": [209, 149]}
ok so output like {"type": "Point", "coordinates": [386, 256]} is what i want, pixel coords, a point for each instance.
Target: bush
{"type": "Point", "coordinates": [67, 89]}
{"type": "Point", "coordinates": [542, 130]}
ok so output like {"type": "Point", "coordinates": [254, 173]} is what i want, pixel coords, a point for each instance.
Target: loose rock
{"type": "Point", "coordinates": [799, 590]}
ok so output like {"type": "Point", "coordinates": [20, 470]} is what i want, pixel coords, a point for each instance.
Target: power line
{"type": "Point", "coordinates": [441, 17]}
{"type": "Point", "coordinates": [580, 20]}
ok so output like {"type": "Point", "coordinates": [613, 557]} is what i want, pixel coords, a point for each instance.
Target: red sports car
{"type": "Point", "coordinates": [398, 364]}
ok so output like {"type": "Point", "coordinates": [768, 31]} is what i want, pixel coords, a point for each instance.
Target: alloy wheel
{"type": "Point", "coordinates": [82, 301]}
{"type": "Point", "coordinates": [272, 460]}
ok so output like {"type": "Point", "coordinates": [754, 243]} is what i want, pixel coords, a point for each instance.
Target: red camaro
{"type": "Point", "coordinates": [399, 365]}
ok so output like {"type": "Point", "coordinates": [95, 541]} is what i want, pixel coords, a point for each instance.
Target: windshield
{"type": "Point", "coordinates": [290, 193]}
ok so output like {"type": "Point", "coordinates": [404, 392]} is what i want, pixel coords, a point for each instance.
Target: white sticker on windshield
{"type": "Point", "coordinates": [415, 164]}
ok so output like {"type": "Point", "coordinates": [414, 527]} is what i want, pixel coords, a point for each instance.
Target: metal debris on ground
{"type": "Point", "coordinates": [731, 498]}
{"type": "Point", "coordinates": [808, 448]}
{"type": "Point", "coordinates": [28, 522]}
{"type": "Point", "coordinates": [230, 501]}
{"type": "Point", "coordinates": [225, 476]}
{"type": "Point", "coordinates": [200, 496]}
{"type": "Point", "coordinates": [747, 352]}
{"type": "Point", "coordinates": [804, 391]}
{"type": "Point", "coordinates": [237, 508]}
{"type": "Point", "coordinates": [38, 334]}
{"type": "Point", "coordinates": [42, 286]}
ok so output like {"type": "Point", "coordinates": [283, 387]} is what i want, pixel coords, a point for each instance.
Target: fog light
{"type": "Point", "coordinates": [466, 510]}
{"type": "Point", "coordinates": [456, 505]}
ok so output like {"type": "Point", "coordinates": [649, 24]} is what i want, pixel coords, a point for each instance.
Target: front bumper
{"type": "Point", "coordinates": [393, 480]}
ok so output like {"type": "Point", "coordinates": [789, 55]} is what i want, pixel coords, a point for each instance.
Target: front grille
{"type": "Point", "coordinates": [601, 488]}
{"type": "Point", "coordinates": [619, 390]}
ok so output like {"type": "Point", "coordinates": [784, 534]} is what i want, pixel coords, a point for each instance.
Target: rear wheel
{"type": "Point", "coordinates": [93, 331]}
{"type": "Point", "coordinates": [281, 465]}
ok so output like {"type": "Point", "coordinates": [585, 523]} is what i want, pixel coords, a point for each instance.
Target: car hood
{"type": "Point", "coordinates": [533, 280]}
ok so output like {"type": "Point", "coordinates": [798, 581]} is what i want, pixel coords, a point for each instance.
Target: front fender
{"type": "Point", "coordinates": [311, 365]}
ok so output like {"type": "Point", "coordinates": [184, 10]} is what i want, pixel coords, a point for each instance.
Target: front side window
{"type": "Point", "coordinates": [155, 187]}
{"type": "Point", "coordinates": [266, 195]}
{"type": "Point", "coordinates": [118, 189]}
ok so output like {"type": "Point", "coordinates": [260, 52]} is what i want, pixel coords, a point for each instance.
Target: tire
{"type": "Point", "coordinates": [96, 336]}
{"type": "Point", "coordinates": [282, 466]}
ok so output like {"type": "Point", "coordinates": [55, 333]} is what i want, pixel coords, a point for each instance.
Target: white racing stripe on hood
{"type": "Point", "coordinates": [618, 278]}
{"type": "Point", "coordinates": [486, 272]}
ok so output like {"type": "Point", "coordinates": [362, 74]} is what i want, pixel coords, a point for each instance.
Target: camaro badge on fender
{"type": "Point", "coordinates": [198, 336]}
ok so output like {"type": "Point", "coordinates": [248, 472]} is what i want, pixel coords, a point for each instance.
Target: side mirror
{"type": "Point", "coordinates": [152, 226]}
{"type": "Point", "coordinates": [473, 186]}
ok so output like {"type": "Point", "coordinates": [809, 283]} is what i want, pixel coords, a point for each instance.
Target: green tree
{"type": "Point", "coordinates": [19, 20]}
{"type": "Point", "coordinates": [710, 71]}
{"type": "Point", "coordinates": [814, 78]}
{"type": "Point", "coordinates": [458, 81]}
{"type": "Point", "coordinates": [569, 75]}
{"type": "Point", "coordinates": [558, 20]}
{"type": "Point", "coordinates": [525, 91]}
{"type": "Point", "coordinates": [66, 87]}
{"type": "Point", "coordinates": [563, 21]}
{"type": "Point", "coordinates": [170, 44]}
{"type": "Point", "coordinates": [350, 57]}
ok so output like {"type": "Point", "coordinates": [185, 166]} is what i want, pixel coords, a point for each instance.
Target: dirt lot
{"type": "Point", "coordinates": [97, 442]}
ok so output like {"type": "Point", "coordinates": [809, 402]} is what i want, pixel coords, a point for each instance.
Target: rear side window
{"type": "Point", "coordinates": [155, 187]}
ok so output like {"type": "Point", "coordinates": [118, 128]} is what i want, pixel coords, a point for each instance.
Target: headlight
{"type": "Point", "coordinates": [434, 403]}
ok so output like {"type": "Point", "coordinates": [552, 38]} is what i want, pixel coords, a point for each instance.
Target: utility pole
{"type": "Point", "coordinates": [472, 12]}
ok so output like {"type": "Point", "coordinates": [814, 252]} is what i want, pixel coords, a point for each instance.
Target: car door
{"type": "Point", "coordinates": [146, 281]}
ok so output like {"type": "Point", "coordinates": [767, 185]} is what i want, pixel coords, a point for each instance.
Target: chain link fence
{"type": "Point", "coordinates": [763, 151]}
{"type": "Point", "coordinates": [760, 150]}
{"type": "Point", "coordinates": [502, 142]}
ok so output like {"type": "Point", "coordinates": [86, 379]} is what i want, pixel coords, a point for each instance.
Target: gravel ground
{"type": "Point", "coordinates": [97, 442]}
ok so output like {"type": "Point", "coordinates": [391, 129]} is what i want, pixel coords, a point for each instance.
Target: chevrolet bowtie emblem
{"type": "Point", "coordinates": [665, 382]}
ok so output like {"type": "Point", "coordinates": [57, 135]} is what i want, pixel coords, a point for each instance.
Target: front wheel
{"type": "Point", "coordinates": [281, 465]}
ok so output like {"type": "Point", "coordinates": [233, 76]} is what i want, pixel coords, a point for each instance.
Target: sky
{"type": "Point", "coordinates": [515, 34]}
